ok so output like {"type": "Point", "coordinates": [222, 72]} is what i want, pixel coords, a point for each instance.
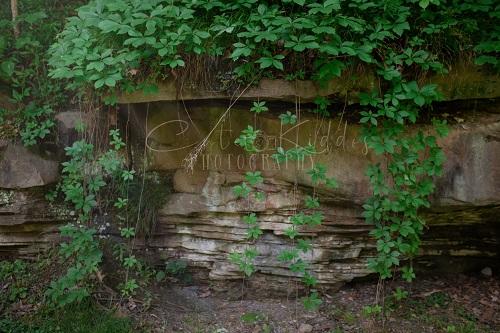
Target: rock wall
{"type": "Point", "coordinates": [201, 221]}
{"type": "Point", "coordinates": [28, 222]}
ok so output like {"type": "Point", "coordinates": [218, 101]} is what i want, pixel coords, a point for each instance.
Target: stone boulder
{"type": "Point", "coordinates": [21, 168]}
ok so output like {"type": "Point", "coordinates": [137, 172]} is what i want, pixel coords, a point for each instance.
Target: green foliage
{"type": "Point", "coordinates": [85, 255]}
{"type": "Point", "coordinates": [400, 294]}
{"type": "Point", "coordinates": [395, 40]}
{"type": "Point", "coordinates": [288, 118]}
{"type": "Point", "coordinates": [13, 277]}
{"type": "Point", "coordinates": [404, 186]}
{"type": "Point", "coordinates": [128, 287]}
{"type": "Point", "coordinates": [372, 310]}
{"type": "Point", "coordinates": [312, 302]}
{"type": "Point", "coordinates": [291, 256]}
{"type": "Point", "coordinates": [127, 232]}
{"type": "Point", "coordinates": [259, 107]}
{"type": "Point", "coordinates": [251, 317]}
{"type": "Point", "coordinates": [244, 260]}
{"type": "Point", "coordinates": [84, 179]}
{"type": "Point", "coordinates": [157, 36]}
{"type": "Point", "coordinates": [247, 139]}
{"type": "Point", "coordinates": [253, 231]}
{"type": "Point", "coordinates": [254, 178]}
{"type": "Point", "coordinates": [23, 67]}
{"type": "Point", "coordinates": [242, 190]}
{"type": "Point", "coordinates": [37, 123]}
{"type": "Point", "coordinates": [77, 318]}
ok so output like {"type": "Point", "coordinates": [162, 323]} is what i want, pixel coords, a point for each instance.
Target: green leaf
{"type": "Point", "coordinates": [254, 178]}
{"type": "Point", "coordinates": [309, 280]}
{"type": "Point", "coordinates": [298, 267]}
{"type": "Point", "coordinates": [108, 26]}
{"type": "Point", "coordinates": [288, 255]}
{"type": "Point", "coordinates": [291, 232]}
{"type": "Point", "coordinates": [330, 70]}
{"type": "Point", "coordinates": [260, 196]}
{"type": "Point", "coordinates": [419, 100]}
{"type": "Point", "coordinates": [254, 232]}
{"type": "Point", "coordinates": [408, 273]}
{"type": "Point", "coordinates": [311, 202]}
{"type": "Point", "coordinates": [241, 191]}
{"type": "Point", "coordinates": [424, 3]}
{"type": "Point", "coordinates": [127, 232]}
{"type": "Point", "coordinates": [8, 67]}
{"type": "Point", "coordinates": [110, 82]}
{"type": "Point", "coordinates": [441, 127]}
{"type": "Point", "coordinates": [288, 118]}
{"type": "Point", "coordinates": [312, 302]}
{"type": "Point", "coordinates": [250, 219]}
{"type": "Point", "coordinates": [259, 107]}
{"type": "Point", "coordinates": [317, 173]}
{"type": "Point", "coordinates": [304, 245]}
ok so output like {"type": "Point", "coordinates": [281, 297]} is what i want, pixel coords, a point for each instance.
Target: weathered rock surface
{"type": "Point", "coordinates": [472, 168]}
{"type": "Point", "coordinates": [463, 81]}
{"type": "Point", "coordinates": [66, 122]}
{"type": "Point", "coordinates": [20, 168]}
{"type": "Point", "coordinates": [28, 224]}
{"type": "Point", "coordinates": [202, 222]}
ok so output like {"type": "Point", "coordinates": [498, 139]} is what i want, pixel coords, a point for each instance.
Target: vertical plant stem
{"type": "Point", "coordinates": [15, 14]}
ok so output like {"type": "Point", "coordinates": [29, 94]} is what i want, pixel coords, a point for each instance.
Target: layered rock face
{"type": "Point", "coordinates": [28, 222]}
{"type": "Point", "coordinates": [202, 220]}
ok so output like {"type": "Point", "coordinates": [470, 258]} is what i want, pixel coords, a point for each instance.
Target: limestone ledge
{"type": "Point", "coordinates": [204, 229]}
{"type": "Point", "coordinates": [463, 81]}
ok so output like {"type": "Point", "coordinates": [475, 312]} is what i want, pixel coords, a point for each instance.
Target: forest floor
{"type": "Point", "coordinates": [465, 303]}
{"type": "Point", "coordinates": [462, 303]}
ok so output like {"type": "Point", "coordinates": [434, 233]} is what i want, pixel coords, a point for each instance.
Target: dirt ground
{"type": "Point", "coordinates": [463, 304]}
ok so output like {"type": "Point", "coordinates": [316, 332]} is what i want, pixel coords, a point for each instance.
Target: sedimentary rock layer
{"type": "Point", "coordinates": [202, 220]}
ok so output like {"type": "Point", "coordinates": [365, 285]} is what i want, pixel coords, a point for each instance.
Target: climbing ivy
{"type": "Point", "coordinates": [89, 177]}
{"type": "Point", "coordinates": [310, 217]}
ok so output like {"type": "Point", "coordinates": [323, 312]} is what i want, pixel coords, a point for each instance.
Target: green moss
{"type": "Point", "coordinates": [6, 197]}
